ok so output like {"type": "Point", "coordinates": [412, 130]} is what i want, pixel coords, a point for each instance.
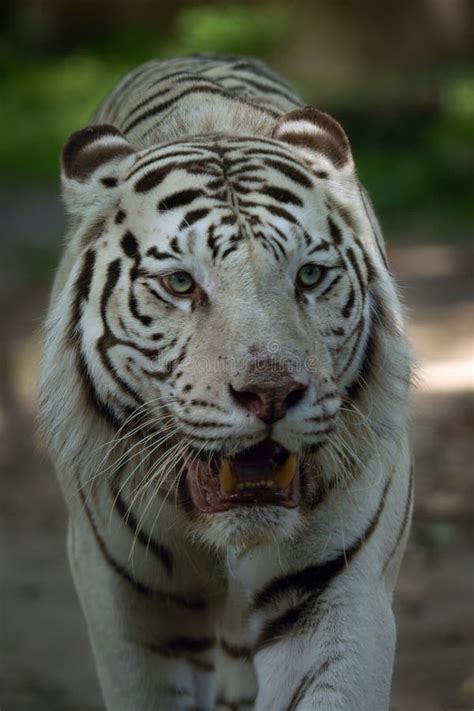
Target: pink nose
{"type": "Point", "coordinates": [269, 401]}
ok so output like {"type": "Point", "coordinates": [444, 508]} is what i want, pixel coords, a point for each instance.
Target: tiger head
{"type": "Point", "coordinates": [223, 295]}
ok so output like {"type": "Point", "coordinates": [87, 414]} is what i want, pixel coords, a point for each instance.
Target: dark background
{"type": "Point", "coordinates": [400, 78]}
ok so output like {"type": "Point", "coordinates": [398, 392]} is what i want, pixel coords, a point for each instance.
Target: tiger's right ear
{"type": "Point", "coordinates": [91, 167]}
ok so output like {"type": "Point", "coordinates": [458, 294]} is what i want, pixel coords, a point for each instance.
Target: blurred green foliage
{"type": "Point", "coordinates": [414, 160]}
{"type": "Point", "coordinates": [44, 99]}
{"type": "Point", "coordinates": [423, 168]}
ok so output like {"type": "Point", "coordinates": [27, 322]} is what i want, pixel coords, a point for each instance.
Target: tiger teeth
{"type": "Point", "coordinates": [269, 483]}
{"type": "Point", "coordinates": [286, 472]}
{"type": "Point", "coordinates": [281, 477]}
{"type": "Point", "coordinates": [227, 480]}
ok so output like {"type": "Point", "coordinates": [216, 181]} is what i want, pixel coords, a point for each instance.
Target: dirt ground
{"type": "Point", "coordinates": [45, 663]}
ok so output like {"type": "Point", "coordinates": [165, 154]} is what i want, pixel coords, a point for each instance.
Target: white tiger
{"type": "Point", "coordinates": [224, 391]}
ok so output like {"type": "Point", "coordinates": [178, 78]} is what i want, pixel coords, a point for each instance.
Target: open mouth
{"type": "Point", "coordinates": [266, 473]}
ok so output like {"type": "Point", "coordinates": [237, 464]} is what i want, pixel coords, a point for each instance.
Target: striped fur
{"type": "Point", "coordinates": [211, 165]}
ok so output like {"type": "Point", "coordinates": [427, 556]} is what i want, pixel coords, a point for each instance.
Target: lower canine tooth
{"type": "Point", "coordinates": [285, 473]}
{"type": "Point", "coordinates": [227, 480]}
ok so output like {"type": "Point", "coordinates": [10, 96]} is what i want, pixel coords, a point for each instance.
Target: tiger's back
{"type": "Point", "coordinates": [224, 390]}
{"type": "Point", "coordinates": [190, 96]}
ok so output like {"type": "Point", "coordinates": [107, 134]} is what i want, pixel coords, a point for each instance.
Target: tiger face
{"type": "Point", "coordinates": [222, 296]}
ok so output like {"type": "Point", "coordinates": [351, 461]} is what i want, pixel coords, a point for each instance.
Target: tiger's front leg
{"type": "Point", "coordinates": [340, 659]}
{"type": "Point", "coordinates": [321, 616]}
{"type": "Point", "coordinates": [236, 684]}
{"type": "Point", "coordinates": [154, 646]}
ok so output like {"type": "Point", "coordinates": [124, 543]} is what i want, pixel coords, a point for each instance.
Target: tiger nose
{"type": "Point", "coordinates": [269, 401]}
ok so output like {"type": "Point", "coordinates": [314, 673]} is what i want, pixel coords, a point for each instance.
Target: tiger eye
{"type": "Point", "coordinates": [309, 276]}
{"type": "Point", "coordinates": [180, 283]}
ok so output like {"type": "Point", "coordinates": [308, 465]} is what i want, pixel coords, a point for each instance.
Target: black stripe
{"type": "Point", "coordinates": [208, 423]}
{"type": "Point", "coordinates": [113, 275]}
{"type": "Point", "coordinates": [322, 246]}
{"type": "Point", "coordinates": [281, 234]}
{"type": "Point", "coordinates": [127, 83]}
{"type": "Point", "coordinates": [308, 680]}
{"type": "Point", "coordinates": [331, 285]}
{"type": "Point", "coordinates": [230, 219]}
{"type": "Point", "coordinates": [353, 390]}
{"type": "Point", "coordinates": [236, 651]}
{"type": "Point", "coordinates": [159, 155]}
{"type": "Point", "coordinates": [178, 199]}
{"type": "Point", "coordinates": [205, 403]}
{"type": "Point", "coordinates": [161, 552]}
{"type": "Point", "coordinates": [244, 170]}
{"type": "Point", "coordinates": [102, 408]}
{"type": "Point", "coordinates": [129, 245]}
{"type": "Point", "coordinates": [334, 231]}
{"type": "Point", "coordinates": [155, 177]}
{"type": "Point", "coordinates": [196, 91]}
{"type": "Point", "coordinates": [350, 254]}
{"type": "Point", "coordinates": [349, 305]}
{"type": "Point", "coordinates": [183, 648]}
{"type": "Point", "coordinates": [193, 216]}
{"type": "Point", "coordinates": [300, 691]}
{"type": "Point", "coordinates": [315, 579]}
{"type": "Point", "coordinates": [184, 77]}
{"type": "Point", "coordinates": [170, 366]}
{"type": "Point", "coordinates": [405, 520]}
{"type": "Point", "coordinates": [156, 254]}
{"type": "Point", "coordinates": [190, 603]}
{"type": "Point", "coordinates": [82, 289]}
{"type": "Point", "coordinates": [281, 626]}
{"type": "Point", "coordinates": [158, 296]}
{"type": "Point", "coordinates": [212, 242]}
{"type": "Point", "coordinates": [133, 306]}
{"type": "Point", "coordinates": [260, 70]}
{"type": "Point", "coordinates": [269, 89]}
{"type": "Point", "coordinates": [276, 242]}
{"type": "Point", "coordinates": [281, 195]}
{"type": "Point", "coordinates": [107, 340]}
{"type": "Point", "coordinates": [271, 245]}
{"type": "Point", "coordinates": [175, 246]}
{"type": "Point", "coordinates": [358, 331]}
{"type": "Point", "coordinates": [257, 147]}
{"type": "Point", "coordinates": [281, 212]}
{"type": "Point", "coordinates": [109, 182]}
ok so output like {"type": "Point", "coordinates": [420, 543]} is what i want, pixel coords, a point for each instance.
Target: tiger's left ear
{"type": "Point", "coordinates": [319, 139]}
{"type": "Point", "coordinates": [91, 167]}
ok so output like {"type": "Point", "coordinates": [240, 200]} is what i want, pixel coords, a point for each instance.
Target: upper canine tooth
{"type": "Point", "coordinates": [227, 480]}
{"type": "Point", "coordinates": [284, 474]}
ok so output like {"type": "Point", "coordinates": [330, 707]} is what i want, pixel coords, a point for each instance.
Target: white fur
{"type": "Point", "coordinates": [347, 641]}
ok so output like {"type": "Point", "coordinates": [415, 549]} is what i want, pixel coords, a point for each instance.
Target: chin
{"type": "Point", "coordinates": [246, 527]}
